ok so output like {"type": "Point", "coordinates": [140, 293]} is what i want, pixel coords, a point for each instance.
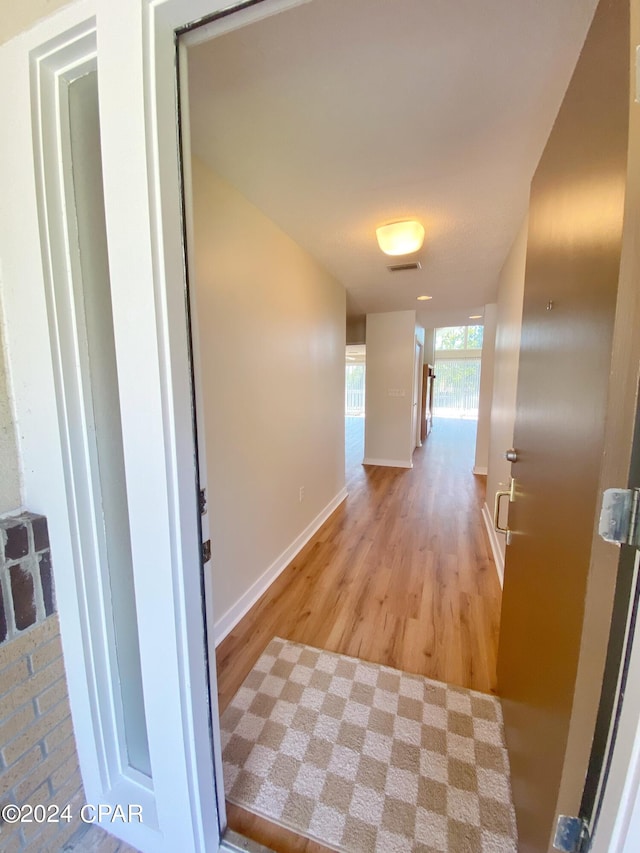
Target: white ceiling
{"type": "Point", "coordinates": [337, 116]}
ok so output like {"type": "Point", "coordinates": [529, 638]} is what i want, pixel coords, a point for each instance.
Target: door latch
{"type": "Point", "coordinates": [619, 517]}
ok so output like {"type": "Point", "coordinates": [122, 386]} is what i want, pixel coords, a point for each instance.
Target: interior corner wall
{"type": "Point", "coordinates": [356, 330]}
{"type": "Point", "coordinates": [429, 354]}
{"type": "Point", "coordinates": [486, 390]}
{"type": "Point", "coordinates": [389, 381]}
{"type": "Point", "coordinates": [271, 329]}
{"type": "Point", "coordinates": [505, 375]}
{"type": "Point", "coordinates": [10, 498]}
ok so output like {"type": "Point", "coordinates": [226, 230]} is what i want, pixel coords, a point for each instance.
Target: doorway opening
{"type": "Point", "coordinates": [354, 407]}
{"type": "Point", "coordinates": [373, 577]}
{"type": "Point", "coordinates": [462, 393]}
{"type": "Point", "coordinates": [355, 368]}
{"type": "Point", "coordinates": [399, 393]}
{"type": "Point", "coordinates": [362, 578]}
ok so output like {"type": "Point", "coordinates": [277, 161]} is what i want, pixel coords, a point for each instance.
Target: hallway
{"type": "Point", "coordinates": [401, 574]}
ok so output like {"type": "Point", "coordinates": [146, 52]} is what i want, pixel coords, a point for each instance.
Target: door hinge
{"type": "Point", "coordinates": [206, 551]}
{"type": "Point", "coordinates": [203, 501]}
{"type": "Point", "coordinates": [619, 517]}
{"type": "Point", "coordinates": [572, 834]}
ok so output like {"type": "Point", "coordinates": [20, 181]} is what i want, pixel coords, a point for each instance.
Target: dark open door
{"type": "Point", "coordinates": [572, 273]}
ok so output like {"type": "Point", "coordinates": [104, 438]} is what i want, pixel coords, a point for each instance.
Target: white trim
{"type": "Point", "coordinates": [137, 87]}
{"type": "Point", "coordinates": [480, 470]}
{"type": "Point", "coordinates": [234, 614]}
{"type": "Point", "coordinates": [498, 559]}
{"type": "Point", "coordinates": [30, 361]}
{"type": "Point", "coordinates": [618, 828]}
{"type": "Point", "coordinates": [185, 132]}
{"type": "Point", "coordinates": [387, 463]}
{"type": "Point", "coordinates": [240, 18]}
{"type": "Point", "coordinates": [107, 775]}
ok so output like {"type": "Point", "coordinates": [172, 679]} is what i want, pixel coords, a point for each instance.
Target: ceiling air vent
{"type": "Point", "coordinates": [414, 265]}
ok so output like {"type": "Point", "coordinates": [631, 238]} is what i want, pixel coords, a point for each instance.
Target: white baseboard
{"type": "Point", "coordinates": [482, 470]}
{"type": "Point", "coordinates": [388, 463]}
{"type": "Point", "coordinates": [235, 613]}
{"type": "Point", "coordinates": [494, 542]}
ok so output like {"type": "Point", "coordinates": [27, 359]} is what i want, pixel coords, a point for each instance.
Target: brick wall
{"type": "Point", "coordinates": [26, 584]}
{"type": "Point", "coordinates": [38, 759]}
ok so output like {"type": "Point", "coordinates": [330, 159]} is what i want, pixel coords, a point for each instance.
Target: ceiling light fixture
{"type": "Point", "coordinates": [424, 298]}
{"type": "Point", "coordinates": [400, 238]}
{"type": "Point", "coordinates": [475, 316]}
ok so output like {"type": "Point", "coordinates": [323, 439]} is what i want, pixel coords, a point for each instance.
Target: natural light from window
{"type": "Point", "coordinates": [354, 381]}
{"type": "Point", "coordinates": [457, 366]}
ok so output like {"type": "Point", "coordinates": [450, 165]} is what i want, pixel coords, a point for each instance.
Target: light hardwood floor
{"type": "Point", "coordinates": [401, 574]}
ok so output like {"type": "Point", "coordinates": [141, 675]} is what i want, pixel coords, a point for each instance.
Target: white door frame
{"type": "Point", "coordinates": [136, 69]}
{"type": "Point", "coordinates": [618, 828]}
{"type": "Point", "coordinates": [417, 393]}
{"type": "Point", "coordinates": [154, 382]}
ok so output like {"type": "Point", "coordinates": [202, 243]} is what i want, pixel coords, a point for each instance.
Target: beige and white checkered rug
{"type": "Point", "coordinates": [362, 757]}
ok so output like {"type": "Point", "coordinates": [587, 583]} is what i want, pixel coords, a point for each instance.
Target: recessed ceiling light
{"type": "Point", "coordinates": [424, 298]}
{"type": "Point", "coordinates": [475, 316]}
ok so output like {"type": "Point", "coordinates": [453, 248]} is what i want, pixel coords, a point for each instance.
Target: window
{"type": "Point", "coordinates": [459, 338]}
{"type": "Point", "coordinates": [457, 385]}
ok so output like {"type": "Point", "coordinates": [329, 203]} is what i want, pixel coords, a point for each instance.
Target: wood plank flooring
{"type": "Point", "coordinates": [401, 574]}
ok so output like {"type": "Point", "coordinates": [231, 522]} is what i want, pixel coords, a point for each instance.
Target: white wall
{"type": "Point", "coordinates": [9, 467]}
{"type": "Point", "coordinates": [389, 438]}
{"type": "Point", "coordinates": [271, 324]}
{"type": "Point", "coordinates": [505, 376]}
{"type": "Point", "coordinates": [429, 354]}
{"type": "Point", "coordinates": [15, 17]}
{"type": "Point", "coordinates": [486, 390]}
{"type": "Point", "coordinates": [18, 16]}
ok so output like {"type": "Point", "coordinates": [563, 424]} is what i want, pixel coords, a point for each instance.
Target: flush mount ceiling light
{"type": "Point", "coordinates": [400, 238]}
{"type": "Point", "coordinates": [475, 316]}
{"type": "Point", "coordinates": [423, 298]}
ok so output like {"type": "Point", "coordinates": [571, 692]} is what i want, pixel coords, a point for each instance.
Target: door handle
{"type": "Point", "coordinates": [511, 455]}
{"type": "Point", "coordinates": [496, 512]}
{"type": "Point", "coordinates": [510, 493]}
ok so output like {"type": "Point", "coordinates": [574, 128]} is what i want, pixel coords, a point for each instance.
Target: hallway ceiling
{"type": "Point", "coordinates": [337, 116]}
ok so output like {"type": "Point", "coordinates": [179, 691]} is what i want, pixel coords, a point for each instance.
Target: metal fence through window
{"type": "Point", "coordinates": [354, 390]}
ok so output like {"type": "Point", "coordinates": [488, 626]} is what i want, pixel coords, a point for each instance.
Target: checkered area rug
{"type": "Point", "coordinates": [362, 758]}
